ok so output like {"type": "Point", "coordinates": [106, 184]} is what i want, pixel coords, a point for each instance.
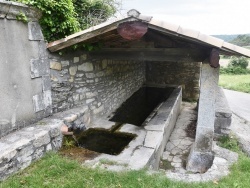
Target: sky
{"type": "Point", "coordinates": [207, 16]}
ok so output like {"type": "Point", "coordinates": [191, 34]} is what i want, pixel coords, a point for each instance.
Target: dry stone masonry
{"type": "Point", "coordinates": [176, 73]}
{"type": "Point", "coordinates": [19, 149]}
{"type": "Point", "coordinates": [101, 84]}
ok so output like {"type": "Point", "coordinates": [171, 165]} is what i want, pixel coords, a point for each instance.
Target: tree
{"type": "Point", "coordinates": [241, 62]}
{"type": "Point", "coordinates": [90, 13]}
{"type": "Point", "coordinates": [241, 40]}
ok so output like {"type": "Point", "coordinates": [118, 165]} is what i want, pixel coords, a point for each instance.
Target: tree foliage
{"type": "Point", "coordinates": [61, 18]}
{"type": "Point", "coordinates": [241, 40]}
{"type": "Point", "coordinates": [91, 13]}
{"type": "Point", "coordinates": [236, 66]}
{"type": "Point", "coordinates": [241, 62]}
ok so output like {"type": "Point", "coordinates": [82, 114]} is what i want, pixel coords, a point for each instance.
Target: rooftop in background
{"type": "Point", "coordinates": [105, 31]}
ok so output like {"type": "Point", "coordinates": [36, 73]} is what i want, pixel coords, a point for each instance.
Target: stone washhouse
{"type": "Point", "coordinates": [45, 87]}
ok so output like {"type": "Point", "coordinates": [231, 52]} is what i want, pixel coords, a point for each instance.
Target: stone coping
{"type": "Point", "coordinates": [20, 148]}
{"type": "Point", "coordinates": [146, 149]}
{"type": "Point", "coordinates": [11, 10]}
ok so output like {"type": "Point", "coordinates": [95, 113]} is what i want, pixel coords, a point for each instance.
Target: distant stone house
{"type": "Point", "coordinates": [138, 50]}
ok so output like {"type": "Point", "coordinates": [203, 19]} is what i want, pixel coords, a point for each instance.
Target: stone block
{"type": "Point", "coordinates": [47, 98]}
{"type": "Point", "coordinates": [86, 67]}
{"type": "Point", "coordinates": [22, 143]}
{"type": "Point", "coordinates": [98, 110]}
{"type": "Point", "coordinates": [8, 154]}
{"type": "Point", "coordinates": [91, 94]}
{"type": "Point", "coordinates": [100, 74]}
{"type": "Point", "coordinates": [141, 158]}
{"type": "Point", "coordinates": [76, 60]}
{"type": "Point", "coordinates": [42, 50]}
{"type": "Point", "coordinates": [89, 101]}
{"type": "Point", "coordinates": [31, 13]}
{"type": "Point", "coordinates": [56, 143]}
{"type": "Point", "coordinates": [199, 161]}
{"type": "Point", "coordinates": [90, 75]}
{"type": "Point", "coordinates": [153, 139]}
{"type": "Point", "coordinates": [48, 147]}
{"type": "Point", "coordinates": [38, 153]}
{"type": "Point", "coordinates": [76, 97]}
{"type": "Point", "coordinates": [26, 151]}
{"type": "Point", "coordinates": [65, 63]}
{"type": "Point", "coordinates": [38, 102]}
{"type": "Point", "coordinates": [221, 123]}
{"type": "Point", "coordinates": [73, 70]}
{"type": "Point", "coordinates": [4, 9]}
{"type": "Point", "coordinates": [84, 57]}
{"type": "Point", "coordinates": [104, 63]}
{"type": "Point", "coordinates": [24, 162]}
{"type": "Point", "coordinates": [46, 83]}
{"type": "Point", "coordinates": [55, 130]}
{"type": "Point", "coordinates": [39, 67]}
{"type": "Point", "coordinates": [55, 65]}
{"type": "Point", "coordinates": [70, 118]}
{"type": "Point", "coordinates": [41, 138]}
{"type": "Point", "coordinates": [35, 32]}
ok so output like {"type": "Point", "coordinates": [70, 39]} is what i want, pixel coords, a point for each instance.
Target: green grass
{"type": "Point", "coordinates": [235, 82]}
{"type": "Point", "coordinates": [55, 171]}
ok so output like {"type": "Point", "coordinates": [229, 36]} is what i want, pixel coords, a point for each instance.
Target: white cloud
{"type": "Point", "coordinates": [207, 16]}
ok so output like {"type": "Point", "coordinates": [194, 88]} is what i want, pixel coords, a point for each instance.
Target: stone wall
{"type": "Point", "coordinates": [19, 149]}
{"type": "Point", "coordinates": [175, 73]}
{"type": "Point", "coordinates": [25, 84]}
{"type": "Point", "coordinates": [102, 84]}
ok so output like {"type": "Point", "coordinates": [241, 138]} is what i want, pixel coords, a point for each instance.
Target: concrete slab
{"type": "Point", "coordinates": [141, 158]}
{"type": "Point", "coordinates": [153, 139]}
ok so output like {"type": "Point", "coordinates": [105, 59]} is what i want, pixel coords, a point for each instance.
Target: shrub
{"type": "Point", "coordinates": [58, 19]}
{"type": "Point", "coordinates": [234, 70]}
{"type": "Point", "coordinates": [61, 18]}
{"type": "Point", "coordinates": [236, 66]}
{"type": "Point", "coordinates": [241, 62]}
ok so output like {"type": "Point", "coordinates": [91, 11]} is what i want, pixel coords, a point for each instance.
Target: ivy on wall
{"type": "Point", "coordinates": [61, 18]}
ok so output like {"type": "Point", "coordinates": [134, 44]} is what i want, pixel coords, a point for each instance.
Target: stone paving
{"type": "Point", "coordinates": [179, 144]}
{"type": "Point", "coordinates": [178, 147]}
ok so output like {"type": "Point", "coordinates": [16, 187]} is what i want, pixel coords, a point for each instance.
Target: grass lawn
{"type": "Point", "coordinates": [55, 171]}
{"type": "Point", "coordinates": [235, 82]}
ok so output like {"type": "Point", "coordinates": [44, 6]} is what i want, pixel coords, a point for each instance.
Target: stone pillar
{"type": "Point", "coordinates": [201, 156]}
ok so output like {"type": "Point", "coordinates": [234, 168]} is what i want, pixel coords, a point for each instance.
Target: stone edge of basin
{"type": "Point", "coordinates": [148, 155]}
{"type": "Point", "coordinates": [146, 149]}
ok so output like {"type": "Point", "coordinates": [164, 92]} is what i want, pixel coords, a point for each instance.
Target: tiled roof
{"type": "Point", "coordinates": [163, 26]}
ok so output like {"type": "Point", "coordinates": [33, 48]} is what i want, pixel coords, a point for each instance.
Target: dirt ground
{"type": "Point", "coordinates": [79, 154]}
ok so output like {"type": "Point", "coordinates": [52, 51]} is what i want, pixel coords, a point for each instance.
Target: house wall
{"type": "Point", "coordinates": [102, 84]}
{"type": "Point", "coordinates": [24, 74]}
{"type": "Point", "coordinates": [175, 73]}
